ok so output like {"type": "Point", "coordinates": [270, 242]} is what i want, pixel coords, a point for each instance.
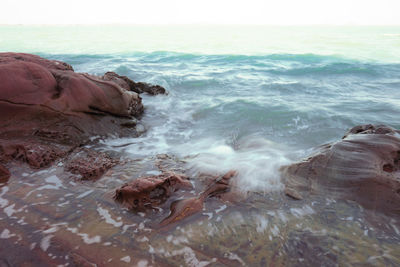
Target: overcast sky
{"type": "Point", "coordinates": [281, 12]}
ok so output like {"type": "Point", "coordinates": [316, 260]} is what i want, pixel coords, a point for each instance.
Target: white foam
{"type": "Point", "coordinates": [3, 201]}
{"type": "Point", "coordinates": [107, 217]}
{"type": "Point", "coordinates": [90, 240]}
{"type": "Point", "coordinates": [54, 180]}
{"type": "Point", "coordinates": [45, 242]}
{"type": "Point", "coordinates": [6, 234]}
{"type": "Point", "coordinates": [126, 259]}
{"type": "Point", "coordinates": [142, 263]}
{"type": "Point", "coordinates": [262, 224]}
{"type": "Point", "coordinates": [303, 211]}
{"type": "Point", "coordinates": [51, 230]}
{"type": "Point", "coordinates": [85, 194]}
{"type": "Point", "coordinates": [223, 207]}
{"type": "Point", "coordinates": [127, 226]}
{"type": "Point", "coordinates": [85, 237]}
{"type": "Point", "coordinates": [53, 183]}
{"type": "Point", "coordinates": [10, 210]}
{"type": "Point", "coordinates": [190, 257]}
{"type": "Point", "coordinates": [233, 256]}
{"type": "Point", "coordinates": [257, 161]}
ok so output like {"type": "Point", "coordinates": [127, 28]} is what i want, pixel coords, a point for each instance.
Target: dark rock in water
{"type": "Point", "coordinates": [47, 110]}
{"type": "Point", "coordinates": [151, 191]}
{"type": "Point", "coordinates": [184, 208]}
{"type": "Point", "coordinates": [4, 174]}
{"type": "Point", "coordinates": [138, 87]}
{"type": "Point", "coordinates": [89, 164]}
{"type": "Point", "coordinates": [364, 167]}
{"type": "Point", "coordinates": [371, 129]}
{"type": "Point", "coordinates": [219, 185]}
{"type": "Point", "coordinates": [149, 88]}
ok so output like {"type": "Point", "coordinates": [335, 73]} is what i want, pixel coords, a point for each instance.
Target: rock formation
{"type": "Point", "coordinates": [183, 208]}
{"type": "Point", "coordinates": [47, 110]}
{"type": "Point", "coordinates": [364, 167]}
{"type": "Point", "coordinates": [150, 191]}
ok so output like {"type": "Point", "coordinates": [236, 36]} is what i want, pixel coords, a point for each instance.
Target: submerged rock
{"type": "Point", "coordinates": [184, 208]}
{"type": "Point", "coordinates": [151, 191]}
{"type": "Point", "coordinates": [364, 167]}
{"type": "Point", "coordinates": [47, 110]}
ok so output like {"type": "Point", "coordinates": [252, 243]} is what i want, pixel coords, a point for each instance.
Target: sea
{"type": "Point", "coordinates": [249, 98]}
{"type": "Point", "coordinates": [280, 89]}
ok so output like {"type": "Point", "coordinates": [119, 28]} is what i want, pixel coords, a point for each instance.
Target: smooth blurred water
{"type": "Point", "coordinates": [250, 98]}
{"type": "Point", "coordinates": [251, 113]}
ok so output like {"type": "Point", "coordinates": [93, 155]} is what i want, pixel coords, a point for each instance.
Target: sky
{"type": "Point", "coordinates": [277, 12]}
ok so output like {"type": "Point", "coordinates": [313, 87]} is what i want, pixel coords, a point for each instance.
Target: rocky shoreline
{"type": "Point", "coordinates": [50, 114]}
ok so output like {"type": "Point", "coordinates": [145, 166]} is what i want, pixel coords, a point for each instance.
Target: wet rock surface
{"type": "Point", "coordinates": [364, 167]}
{"type": "Point", "coordinates": [48, 110]}
{"type": "Point", "coordinates": [90, 165]}
{"type": "Point", "coordinates": [151, 191]}
{"type": "Point", "coordinates": [4, 174]}
{"type": "Point", "coordinates": [184, 208]}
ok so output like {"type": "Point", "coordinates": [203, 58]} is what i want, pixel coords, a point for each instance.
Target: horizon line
{"type": "Point", "coordinates": [199, 24]}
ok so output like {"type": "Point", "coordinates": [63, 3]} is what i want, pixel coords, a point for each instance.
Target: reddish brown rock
{"type": "Point", "coordinates": [184, 208]}
{"type": "Point", "coordinates": [147, 192]}
{"type": "Point", "coordinates": [219, 185]}
{"type": "Point", "coordinates": [90, 165]}
{"type": "Point", "coordinates": [138, 87]}
{"type": "Point", "coordinates": [4, 174]}
{"type": "Point", "coordinates": [47, 110]}
{"type": "Point", "coordinates": [48, 64]}
{"type": "Point", "coordinates": [364, 167]}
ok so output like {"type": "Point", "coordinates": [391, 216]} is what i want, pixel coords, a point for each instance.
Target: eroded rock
{"type": "Point", "coordinates": [184, 208]}
{"type": "Point", "coordinates": [151, 191]}
{"type": "Point", "coordinates": [30, 151]}
{"type": "Point", "coordinates": [364, 167]}
{"type": "Point", "coordinates": [47, 110]}
{"type": "Point", "coordinates": [90, 165]}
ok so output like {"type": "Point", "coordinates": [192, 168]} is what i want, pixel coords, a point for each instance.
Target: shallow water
{"type": "Point", "coordinates": [49, 218]}
{"type": "Point", "coordinates": [253, 112]}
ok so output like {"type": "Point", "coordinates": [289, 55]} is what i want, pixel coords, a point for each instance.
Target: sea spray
{"type": "Point", "coordinates": [257, 161]}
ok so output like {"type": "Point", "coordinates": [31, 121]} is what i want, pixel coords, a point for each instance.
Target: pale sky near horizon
{"type": "Point", "coordinates": [278, 12]}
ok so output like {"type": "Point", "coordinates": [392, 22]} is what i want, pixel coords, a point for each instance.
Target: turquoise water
{"type": "Point", "coordinates": [239, 96]}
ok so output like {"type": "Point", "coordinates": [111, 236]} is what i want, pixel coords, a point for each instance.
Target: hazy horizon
{"type": "Point", "coordinates": [250, 12]}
